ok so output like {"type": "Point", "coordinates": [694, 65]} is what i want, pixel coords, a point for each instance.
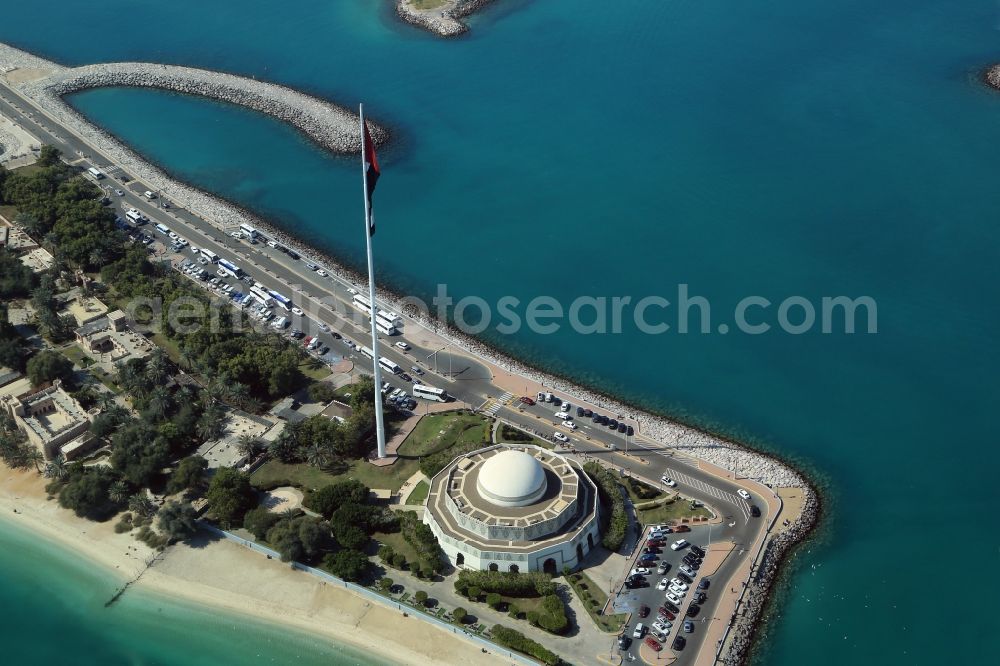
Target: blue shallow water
{"type": "Point", "coordinates": [56, 615]}
{"type": "Point", "coordinates": [774, 149]}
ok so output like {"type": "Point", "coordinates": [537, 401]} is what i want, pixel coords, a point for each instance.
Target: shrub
{"type": "Point", "coordinates": [420, 597]}
{"type": "Point", "coordinates": [493, 600]}
{"type": "Point", "coordinates": [385, 584]}
{"type": "Point", "coordinates": [459, 614]}
{"type": "Point", "coordinates": [616, 525]}
{"type": "Point", "coordinates": [534, 584]}
{"type": "Point", "coordinates": [474, 593]}
{"type": "Point", "coordinates": [399, 560]}
{"type": "Point", "coordinates": [515, 640]}
{"type": "Point", "coordinates": [386, 553]}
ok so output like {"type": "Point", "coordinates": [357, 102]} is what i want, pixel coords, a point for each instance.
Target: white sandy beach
{"type": "Point", "coordinates": [224, 575]}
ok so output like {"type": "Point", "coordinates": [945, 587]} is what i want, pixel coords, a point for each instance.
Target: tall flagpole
{"type": "Point", "coordinates": [379, 418]}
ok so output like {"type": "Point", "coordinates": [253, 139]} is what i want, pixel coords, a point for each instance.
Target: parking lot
{"type": "Point", "coordinates": [647, 594]}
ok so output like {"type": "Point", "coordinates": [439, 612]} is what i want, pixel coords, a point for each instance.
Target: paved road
{"type": "Point", "coordinates": [326, 299]}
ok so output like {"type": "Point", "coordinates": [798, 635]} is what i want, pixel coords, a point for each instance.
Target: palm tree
{"type": "Point", "coordinates": [56, 469]}
{"type": "Point", "coordinates": [159, 402]}
{"type": "Point", "coordinates": [317, 456]}
{"type": "Point", "coordinates": [237, 393]}
{"type": "Point", "coordinates": [157, 367]}
{"type": "Point", "coordinates": [249, 445]}
{"type": "Point", "coordinates": [106, 401]}
{"type": "Point", "coordinates": [141, 505]}
{"type": "Point", "coordinates": [33, 456]}
{"type": "Point", "coordinates": [118, 492]}
{"type": "Point", "coordinates": [210, 424]}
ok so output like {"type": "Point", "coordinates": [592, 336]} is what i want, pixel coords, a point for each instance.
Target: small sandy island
{"type": "Point", "coordinates": [224, 575]}
{"type": "Point", "coordinates": [992, 76]}
{"type": "Point", "coordinates": [442, 17]}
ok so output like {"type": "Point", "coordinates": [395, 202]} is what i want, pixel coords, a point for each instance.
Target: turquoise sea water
{"type": "Point", "coordinates": [55, 614]}
{"type": "Point", "coordinates": [776, 149]}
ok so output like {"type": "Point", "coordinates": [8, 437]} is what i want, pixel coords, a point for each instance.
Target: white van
{"type": "Point", "coordinates": [149, 195]}
{"type": "Point", "coordinates": [639, 631]}
{"type": "Point", "coordinates": [281, 323]}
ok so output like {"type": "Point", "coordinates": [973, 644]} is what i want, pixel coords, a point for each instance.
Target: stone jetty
{"type": "Point", "coordinates": [992, 76]}
{"type": "Point", "coordinates": [443, 20]}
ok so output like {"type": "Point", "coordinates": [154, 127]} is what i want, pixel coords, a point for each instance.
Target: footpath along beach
{"type": "Point", "coordinates": [223, 575]}
{"type": "Point", "coordinates": [22, 73]}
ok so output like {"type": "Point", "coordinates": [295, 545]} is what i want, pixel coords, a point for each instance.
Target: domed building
{"type": "Point", "coordinates": [513, 508]}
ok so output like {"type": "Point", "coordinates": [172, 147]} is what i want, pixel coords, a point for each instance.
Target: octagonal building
{"type": "Point", "coordinates": [513, 508]}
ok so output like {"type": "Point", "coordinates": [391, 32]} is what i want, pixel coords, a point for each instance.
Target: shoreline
{"type": "Point", "coordinates": [203, 577]}
{"type": "Point", "coordinates": [693, 441]}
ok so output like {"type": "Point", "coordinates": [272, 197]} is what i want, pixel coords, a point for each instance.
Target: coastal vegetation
{"type": "Point", "coordinates": [614, 520]}
{"type": "Point", "coordinates": [594, 599]}
{"type": "Point", "coordinates": [515, 640]}
{"type": "Point", "coordinates": [534, 594]}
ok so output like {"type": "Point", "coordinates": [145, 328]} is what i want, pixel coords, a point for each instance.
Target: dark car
{"type": "Point", "coordinates": [297, 334]}
{"type": "Point", "coordinates": [643, 611]}
{"type": "Point", "coordinates": [700, 597]}
{"type": "Point", "coordinates": [623, 642]}
{"type": "Point", "coordinates": [336, 336]}
{"type": "Point", "coordinates": [655, 543]}
{"type": "Point", "coordinates": [406, 378]}
{"type": "Point", "coordinates": [754, 511]}
{"type": "Point", "coordinates": [579, 412]}
{"type": "Point", "coordinates": [588, 413]}
{"type": "Point", "coordinates": [621, 427]}
{"type": "Point", "coordinates": [613, 424]}
{"type": "Point", "coordinates": [629, 430]}
{"type": "Point", "coordinates": [698, 550]}
{"type": "Point", "coordinates": [648, 557]}
{"type": "Point", "coordinates": [292, 254]}
{"type": "Point", "coordinates": [693, 610]}
{"type": "Point", "coordinates": [684, 577]}
{"type": "Point", "coordinates": [704, 583]}
{"type": "Point", "coordinates": [682, 528]}
{"type": "Point", "coordinates": [527, 401]}
{"type": "Point", "coordinates": [650, 549]}
{"type": "Point", "coordinates": [323, 351]}
{"type": "Point", "coordinates": [556, 400]}
{"type": "Point", "coordinates": [679, 643]}
{"type": "Point", "coordinates": [670, 607]}
{"type": "Point", "coordinates": [603, 420]}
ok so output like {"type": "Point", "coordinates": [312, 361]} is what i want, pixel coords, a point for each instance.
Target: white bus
{"type": "Point", "coordinates": [362, 303]}
{"type": "Point", "coordinates": [230, 268]}
{"type": "Point", "coordinates": [383, 328]}
{"type": "Point", "coordinates": [388, 365]}
{"type": "Point", "coordinates": [261, 296]}
{"type": "Point", "coordinates": [211, 256]}
{"type": "Point", "coordinates": [135, 217]}
{"type": "Point", "coordinates": [248, 231]}
{"type": "Point", "coordinates": [162, 228]}
{"type": "Point", "coordinates": [96, 173]}
{"type": "Point", "coordinates": [429, 393]}
{"type": "Point", "coordinates": [281, 300]}
{"type": "Point", "coordinates": [367, 352]}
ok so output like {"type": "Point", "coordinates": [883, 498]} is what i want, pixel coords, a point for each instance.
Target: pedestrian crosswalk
{"type": "Point", "coordinates": [505, 398]}
{"type": "Point", "coordinates": [683, 479]}
{"type": "Point", "coordinates": [493, 405]}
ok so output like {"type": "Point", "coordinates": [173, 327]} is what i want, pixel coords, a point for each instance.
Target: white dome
{"type": "Point", "coordinates": [511, 478]}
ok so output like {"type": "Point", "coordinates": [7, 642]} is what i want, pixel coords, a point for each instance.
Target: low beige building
{"type": "Point", "coordinates": [84, 309]}
{"type": "Point", "coordinates": [111, 339]}
{"type": "Point", "coordinates": [38, 260]}
{"type": "Point", "coordinates": [54, 422]}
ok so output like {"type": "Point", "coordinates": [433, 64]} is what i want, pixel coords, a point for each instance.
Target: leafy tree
{"type": "Point", "coordinates": [141, 505]}
{"type": "Point", "coordinates": [321, 392]}
{"type": "Point", "coordinates": [385, 553]}
{"type": "Point", "coordinates": [493, 600]}
{"type": "Point", "coordinates": [459, 615]}
{"type": "Point", "coordinates": [46, 366]}
{"type": "Point", "coordinates": [328, 499]}
{"type": "Point", "coordinates": [259, 521]}
{"type": "Point", "coordinates": [178, 521]}
{"type": "Point", "coordinates": [351, 565]}
{"type": "Point", "coordinates": [16, 279]}
{"type": "Point", "coordinates": [86, 493]}
{"type": "Point", "coordinates": [230, 495]}
{"type": "Point", "coordinates": [385, 584]}
{"type": "Point", "coordinates": [139, 453]}
{"type": "Point", "coordinates": [190, 474]}
{"type": "Point", "coordinates": [350, 536]}
{"type": "Point", "coordinates": [420, 597]}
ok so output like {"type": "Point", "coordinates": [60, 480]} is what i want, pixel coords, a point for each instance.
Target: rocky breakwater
{"type": "Point", "coordinates": [749, 625]}
{"type": "Point", "coordinates": [992, 76]}
{"type": "Point", "coordinates": [442, 19]}
{"type": "Point", "coordinates": [330, 126]}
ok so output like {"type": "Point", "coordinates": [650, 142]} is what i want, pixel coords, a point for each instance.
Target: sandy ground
{"type": "Point", "coordinates": [224, 575]}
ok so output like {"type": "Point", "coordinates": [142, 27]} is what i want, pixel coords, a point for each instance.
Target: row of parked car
{"type": "Point", "coordinates": [398, 397]}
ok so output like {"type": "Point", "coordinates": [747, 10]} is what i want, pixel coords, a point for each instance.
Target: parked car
{"type": "Point", "coordinates": [662, 585]}
{"type": "Point", "coordinates": [679, 544]}
{"type": "Point", "coordinates": [742, 493]}
{"type": "Point", "coordinates": [580, 412]}
{"type": "Point", "coordinates": [668, 481]}
{"type": "Point", "coordinates": [679, 643]}
{"type": "Point", "coordinates": [688, 570]}
{"type": "Point", "coordinates": [640, 571]}
{"type": "Point", "coordinates": [621, 427]}
{"type": "Point", "coordinates": [405, 377]}
{"type": "Point", "coordinates": [638, 631]}
{"type": "Point", "coordinates": [643, 611]}
{"type": "Point", "coordinates": [684, 577]}
{"type": "Point", "coordinates": [754, 511]}
{"type": "Point", "coordinates": [698, 550]}
{"type": "Point", "coordinates": [673, 598]}
{"type": "Point", "coordinates": [648, 557]}
{"type": "Point", "coordinates": [402, 345]}
{"type": "Point", "coordinates": [682, 528]}
{"type": "Point", "coordinates": [623, 642]}
{"type": "Point", "coordinates": [663, 612]}
{"type": "Point", "coordinates": [692, 610]}
{"type": "Point", "coordinates": [677, 582]}
{"type": "Point", "coordinates": [699, 597]}
{"type": "Point", "coordinates": [663, 627]}
{"type": "Point", "coordinates": [670, 606]}
{"type": "Point", "coordinates": [653, 643]}
{"type": "Point", "coordinates": [560, 437]}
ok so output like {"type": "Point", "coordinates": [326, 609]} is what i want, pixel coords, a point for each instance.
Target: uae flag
{"type": "Point", "coordinates": [371, 173]}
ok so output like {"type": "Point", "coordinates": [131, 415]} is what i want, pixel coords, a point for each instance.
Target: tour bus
{"type": "Point", "coordinates": [96, 173]}
{"type": "Point", "coordinates": [248, 231]}
{"type": "Point", "coordinates": [261, 296]}
{"type": "Point", "coordinates": [211, 256]}
{"type": "Point", "coordinates": [429, 393]}
{"type": "Point", "coordinates": [230, 268]}
{"type": "Point", "coordinates": [135, 217]}
{"type": "Point", "coordinates": [383, 328]}
{"type": "Point", "coordinates": [162, 228]}
{"type": "Point", "coordinates": [367, 352]}
{"type": "Point", "coordinates": [281, 300]}
{"type": "Point", "coordinates": [389, 366]}
{"type": "Point", "coordinates": [362, 303]}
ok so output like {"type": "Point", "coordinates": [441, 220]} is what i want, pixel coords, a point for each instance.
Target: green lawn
{"type": "Point", "coordinates": [306, 476]}
{"type": "Point", "coordinates": [641, 492]}
{"type": "Point", "coordinates": [585, 589]}
{"type": "Point", "coordinates": [675, 509]}
{"type": "Point", "coordinates": [314, 369]}
{"type": "Point", "coordinates": [76, 356]}
{"type": "Point", "coordinates": [419, 494]}
{"type": "Point", "coordinates": [427, 4]}
{"type": "Point", "coordinates": [436, 432]}
{"type": "Point", "coordinates": [399, 544]}
{"type": "Point", "coordinates": [504, 436]}
{"type": "Point", "coordinates": [10, 212]}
